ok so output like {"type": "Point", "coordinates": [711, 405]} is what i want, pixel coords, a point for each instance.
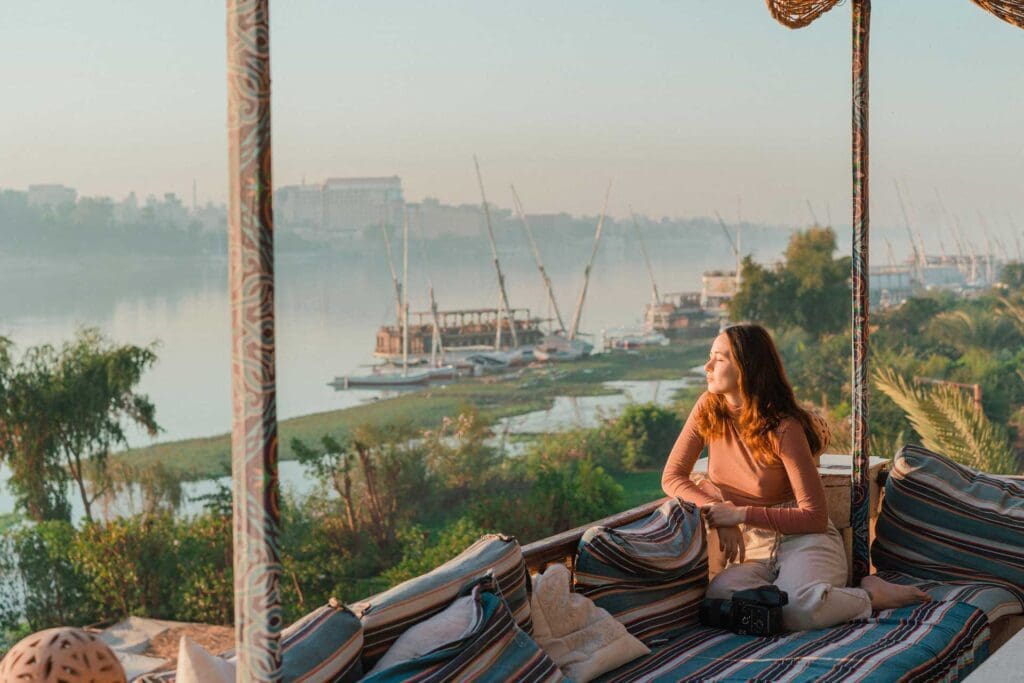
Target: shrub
{"type": "Point", "coordinates": [53, 589]}
{"type": "Point", "coordinates": [646, 432]}
{"type": "Point", "coordinates": [425, 551]}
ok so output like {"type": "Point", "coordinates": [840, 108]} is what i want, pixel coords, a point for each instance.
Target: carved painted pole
{"type": "Point", "coordinates": [257, 565]}
{"type": "Point", "coordinates": [859, 420]}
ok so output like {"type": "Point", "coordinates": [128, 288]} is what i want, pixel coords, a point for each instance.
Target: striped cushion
{"type": "Point", "coordinates": [322, 646]}
{"type": "Point", "coordinates": [386, 615]}
{"type": "Point", "coordinates": [936, 641]}
{"type": "Point", "coordinates": [494, 649]}
{"type": "Point", "coordinates": [941, 520]}
{"type": "Point", "coordinates": [995, 601]}
{"type": "Point", "coordinates": [325, 645]}
{"type": "Point", "coordinates": [650, 575]}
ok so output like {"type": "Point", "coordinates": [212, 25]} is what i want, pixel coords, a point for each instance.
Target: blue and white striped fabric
{"type": "Point", "coordinates": [936, 641]}
{"type": "Point", "coordinates": [494, 649]}
{"type": "Point", "coordinates": [387, 615]}
{"type": "Point", "coordinates": [323, 646]}
{"type": "Point", "coordinates": [995, 601]}
{"type": "Point", "coordinates": [650, 575]}
{"type": "Point", "coordinates": [943, 521]}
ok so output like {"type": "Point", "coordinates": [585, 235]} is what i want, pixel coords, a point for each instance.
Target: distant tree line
{"type": "Point", "coordinates": [90, 226]}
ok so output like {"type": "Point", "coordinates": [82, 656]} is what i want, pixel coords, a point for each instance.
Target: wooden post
{"type": "Point", "coordinates": [256, 509]}
{"type": "Point", "coordinates": [859, 500]}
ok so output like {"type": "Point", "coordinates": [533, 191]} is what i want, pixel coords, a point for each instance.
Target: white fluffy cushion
{"type": "Point", "coordinates": [444, 627]}
{"type": "Point", "coordinates": [583, 639]}
{"type": "Point", "coordinates": [196, 665]}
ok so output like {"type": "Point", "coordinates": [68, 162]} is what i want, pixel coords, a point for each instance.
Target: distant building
{"type": "Point", "coordinates": [439, 219]}
{"type": "Point", "coordinates": [718, 289]}
{"type": "Point", "coordinates": [340, 207]}
{"type": "Point", "coordinates": [51, 195]}
{"type": "Point", "coordinates": [299, 206]}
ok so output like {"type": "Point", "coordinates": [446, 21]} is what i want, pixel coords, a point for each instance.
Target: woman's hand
{"type": "Point", "coordinates": [723, 514]}
{"type": "Point", "coordinates": [730, 542]}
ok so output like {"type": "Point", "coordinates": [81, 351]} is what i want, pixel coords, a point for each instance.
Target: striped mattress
{"type": "Point", "coordinates": [937, 641]}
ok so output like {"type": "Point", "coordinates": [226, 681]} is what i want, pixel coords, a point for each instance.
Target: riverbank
{"type": "Point", "coordinates": [496, 397]}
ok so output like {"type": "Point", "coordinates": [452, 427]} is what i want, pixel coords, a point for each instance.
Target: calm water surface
{"type": "Point", "coordinates": [327, 316]}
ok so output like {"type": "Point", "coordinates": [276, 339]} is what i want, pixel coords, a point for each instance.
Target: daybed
{"type": "Point", "coordinates": [956, 533]}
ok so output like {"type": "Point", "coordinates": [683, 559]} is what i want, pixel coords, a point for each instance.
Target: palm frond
{"type": "Point", "coordinates": [1014, 311]}
{"type": "Point", "coordinates": [948, 423]}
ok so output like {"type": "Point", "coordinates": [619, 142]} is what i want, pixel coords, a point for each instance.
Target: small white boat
{"type": "Point", "coordinates": [632, 341]}
{"type": "Point", "coordinates": [555, 347]}
{"type": "Point", "coordinates": [443, 372]}
{"type": "Point", "coordinates": [490, 360]}
{"type": "Point", "coordinates": [384, 379]}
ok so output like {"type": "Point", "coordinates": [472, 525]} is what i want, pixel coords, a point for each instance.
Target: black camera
{"type": "Point", "coordinates": [750, 612]}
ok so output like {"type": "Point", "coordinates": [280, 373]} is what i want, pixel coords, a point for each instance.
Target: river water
{"type": "Point", "coordinates": [327, 310]}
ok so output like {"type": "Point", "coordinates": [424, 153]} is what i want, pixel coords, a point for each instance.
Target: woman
{"type": "Point", "coordinates": [763, 494]}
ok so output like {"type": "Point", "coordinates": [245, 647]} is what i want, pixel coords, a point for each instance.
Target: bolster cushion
{"type": "Point", "coordinates": [387, 615]}
{"type": "Point", "coordinates": [650, 575]}
{"type": "Point", "coordinates": [941, 520]}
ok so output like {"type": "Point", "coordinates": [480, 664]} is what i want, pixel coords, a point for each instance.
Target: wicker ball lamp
{"type": "Point", "coordinates": [61, 654]}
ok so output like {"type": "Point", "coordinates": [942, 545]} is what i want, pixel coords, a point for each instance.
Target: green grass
{"type": "Point", "coordinates": [494, 398]}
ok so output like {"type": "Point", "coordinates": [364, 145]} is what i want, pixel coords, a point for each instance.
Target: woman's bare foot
{"type": "Point", "coordinates": [886, 595]}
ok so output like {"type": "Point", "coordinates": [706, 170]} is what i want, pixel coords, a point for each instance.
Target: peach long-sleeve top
{"type": "Point", "coordinates": [734, 475]}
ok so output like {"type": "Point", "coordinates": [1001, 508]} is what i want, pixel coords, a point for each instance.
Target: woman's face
{"type": "Point", "coordinates": [721, 370]}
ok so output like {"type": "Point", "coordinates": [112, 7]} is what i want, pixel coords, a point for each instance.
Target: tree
{"type": "Point", "coordinates": [61, 413]}
{"type": "Point", "coordinates": [375, 472]}
{"type": "Point", "coordinates": [810, 290]}
{"type": "Point", "coordinates": [1012, 276]}
{"type": "Point", "coordinates": [948, 423]}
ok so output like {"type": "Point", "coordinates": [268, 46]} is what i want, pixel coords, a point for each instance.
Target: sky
{"type": "Point", "coordinates": [689, 107]}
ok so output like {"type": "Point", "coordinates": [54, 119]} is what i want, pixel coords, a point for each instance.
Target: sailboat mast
{"type": "Point", "coordinates": [734, 246]}
{"type": "Point", "coordinates": [988, 248]}
{"type": "Point", "coordinates": [536, 255]}
{"type": "Point", "coordinates": [405, 293]}
{"type": "Point", "coordinates": [575, 326]}
{"type": "Point", "coordinates": [961, 256]}
{"type": "Point", "coordinates": [647, 259]}
{"type": "Point", "coordinates": [919, 257]}
{"type": "Point", "coordinates": [504, 307]}
{"type": "Point", "coordinates": [436, 346]}
{"type": "Point", "coordinates": [1016, 237]}
{"type": "Point", "coordinates": [394, 275]}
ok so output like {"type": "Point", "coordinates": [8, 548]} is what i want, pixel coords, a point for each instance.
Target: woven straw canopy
{"type": "Point", "coordinates": [1010, 11]}
{"type": "Point", "coordinates": [61, 655]}
{"type": "Point", "coordinates": [800, 13]}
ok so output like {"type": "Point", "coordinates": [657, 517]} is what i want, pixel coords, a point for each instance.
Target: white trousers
{"type": "Point", "coordinates": [811, 568]}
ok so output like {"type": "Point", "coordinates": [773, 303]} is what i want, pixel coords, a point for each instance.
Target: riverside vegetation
{"type": "Point", "coordinates": [407, 483]}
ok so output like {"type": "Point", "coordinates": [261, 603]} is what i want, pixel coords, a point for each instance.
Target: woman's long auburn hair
{"type": "Point", "coordinates": [767, 398]}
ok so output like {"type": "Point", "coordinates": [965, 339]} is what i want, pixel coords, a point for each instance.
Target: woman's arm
{"type": "Point", "coordinates": [675, 480]}
{"type": "Point", "coordinates": [811, 514]}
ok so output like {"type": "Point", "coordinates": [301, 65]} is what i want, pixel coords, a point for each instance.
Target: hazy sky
{"type": "Point", "coordinates": [687, 105]}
